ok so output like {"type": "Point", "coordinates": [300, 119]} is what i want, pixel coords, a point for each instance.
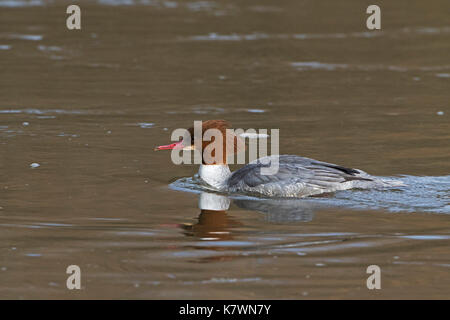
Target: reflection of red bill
{"type": "Point", "coordinates": [176, 145]}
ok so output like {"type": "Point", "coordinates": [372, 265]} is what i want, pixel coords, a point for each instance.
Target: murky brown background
{"type": "Point", "coordinates": [89, 106]}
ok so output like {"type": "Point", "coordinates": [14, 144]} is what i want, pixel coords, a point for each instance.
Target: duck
{"type": "Point", "coordinates": [295, 177]}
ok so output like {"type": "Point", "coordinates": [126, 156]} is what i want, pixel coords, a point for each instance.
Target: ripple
{"type": "Point", "coordinates": [256, 110]}
{"type": "Point", "coordinates": [191, 6]}
{"type": "Point", "coordinates": [427, 237]}
{"type": "Point", "coordinates": [49, 48]}
{"type": "Point", "coordinates": [29, 37]}
{"type": "Point", "coordinates": [48, 224]}
{"type": "Point", "coordinates": [21, 3]}
{"type": "Point", "coordinates": [421, 194]}
{"type": "Point", "coordinates": [230, 280]}
{"type": "Point", "coordinates": [208, 110]}
{"type": "Point", "coordinates": [63, 134]}
{"type": "Point", "coordinates": [316, 65]}
{"type": "Point", "coordinates": [136, 233]}
{"type": "Point", "coordinates": [229, 37]}
{"type": "Point", "coordinates": [212, 36]}
{"type": "Point", "coordinates": [190, 184]}
{"type": "Point", "coordinates": [224, 244]}
{"type": "Point", "coordinates": [199, 110]}
{"type": "Point", "coordinates": [126, 2]}
{"type": "Point", "coordinates": [40, 111]}
{"type": "Point", "coordinates": [33, 254]}
{"type": "Point", "coordinates": [145, 125]}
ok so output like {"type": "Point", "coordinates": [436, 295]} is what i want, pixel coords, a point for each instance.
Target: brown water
{"type": "Point", "coordinates": [89, 106]}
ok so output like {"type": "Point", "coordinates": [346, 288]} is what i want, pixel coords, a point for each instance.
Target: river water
{"type": "Point", "coordinates": [82, 110]}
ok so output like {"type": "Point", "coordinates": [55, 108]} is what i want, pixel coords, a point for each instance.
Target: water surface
{"type": "Point", "coordinates": [80, 113]}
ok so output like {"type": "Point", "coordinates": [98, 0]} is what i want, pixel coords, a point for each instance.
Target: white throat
{"type": "Point", "coordinates": [215, 175]}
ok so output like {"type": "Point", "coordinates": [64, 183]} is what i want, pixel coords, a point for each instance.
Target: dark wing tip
{"type": "Point", "coordinates": [349, 171]}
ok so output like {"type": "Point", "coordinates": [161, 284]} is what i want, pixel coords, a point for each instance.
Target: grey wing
{"type": "Point", "coordinates": [296, 176]}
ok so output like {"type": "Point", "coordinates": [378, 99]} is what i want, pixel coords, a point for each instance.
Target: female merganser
{"type": "Point", "coordinates": [296, 176]}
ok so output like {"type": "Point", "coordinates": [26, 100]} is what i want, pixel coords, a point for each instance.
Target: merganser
{"type": "Point", "coordinates": [296, 176]}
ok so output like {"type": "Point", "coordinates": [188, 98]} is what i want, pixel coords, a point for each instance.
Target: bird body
{"type": "Point", "coordinates": [295, 176]}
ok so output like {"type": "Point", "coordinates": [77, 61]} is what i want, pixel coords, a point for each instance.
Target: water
{"type": "Point", "coordinates": [81, 111]}
{"type": "Point", "coordinates": [434, 196]}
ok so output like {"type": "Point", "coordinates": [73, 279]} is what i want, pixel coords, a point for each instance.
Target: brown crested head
{"type": "Point", "coordinates": [212, 151]}
{"type": "Point", "coordinates": [230, 143]}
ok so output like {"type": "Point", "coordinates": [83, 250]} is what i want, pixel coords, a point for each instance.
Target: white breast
{"type": "Point", "coordinates": [215, 175]}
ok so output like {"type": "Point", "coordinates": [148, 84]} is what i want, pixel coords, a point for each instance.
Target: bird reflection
{"type": "Point", "coordinates": [281, 210]}
{"type": "Point", "coordinates": [215, 224]}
